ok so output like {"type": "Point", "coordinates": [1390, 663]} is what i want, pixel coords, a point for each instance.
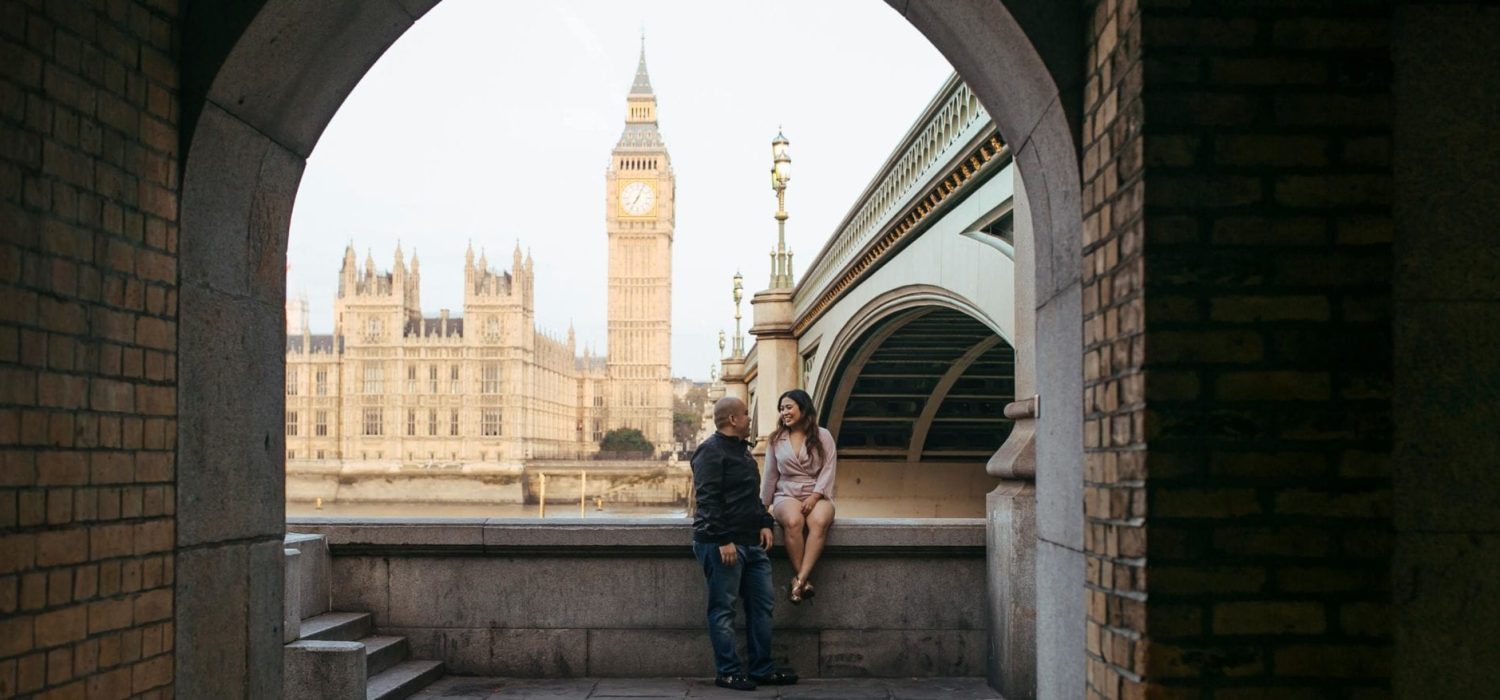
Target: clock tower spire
{"type": "Point", "coordinates": [640, 216]}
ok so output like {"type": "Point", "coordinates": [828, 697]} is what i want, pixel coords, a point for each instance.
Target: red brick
{"type": "Point", "coordinates": [107, 615]}
{"type": "Point", "coordinates": [1273, 386]}
{"type": "Point", "coordinates": [154, 467]}
{"type": "Point", "coordinates": [1333, 661]}
{"type": "Point", "coordinates": [61, 626]}
{"type": "Point", "coordinates": [59, 669]}
{"type": "Point", "coordinates": [55, 547]}
{"type": "Point", "coordinates": [16, 635]}
{"type": "Point", "coordinates": [109, 395]}
{"type": "Point", "coordinates": [154, 536]}
{"type": "Point", "coordinates": [31, 672]}
{"type": "Point", "coordinates": [109, 541]}
{"type": "Point", "coordinates": [156, 400]}
{"type": "Point", "coordinates": [153, 606]}
{"type": "Point", "coordinates": [152, 673]}
{"type": "Point", "coordinates": [60, 468]}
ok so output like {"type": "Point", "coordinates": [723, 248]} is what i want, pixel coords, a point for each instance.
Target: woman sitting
{"type": "Point", "coordinates": [798, 486]}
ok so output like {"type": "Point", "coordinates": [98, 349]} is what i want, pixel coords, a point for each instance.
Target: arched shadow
{"type": "Point", "coordinates": [262, 81]}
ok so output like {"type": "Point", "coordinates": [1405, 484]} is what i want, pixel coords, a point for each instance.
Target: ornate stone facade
{"type": "Point", "coordinates": [390, 384]}
{"type": "Point", "coordinates": [640, 211]}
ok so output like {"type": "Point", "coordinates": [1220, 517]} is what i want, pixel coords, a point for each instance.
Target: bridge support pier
{"type": "Point", "coordinates": [776, 357]}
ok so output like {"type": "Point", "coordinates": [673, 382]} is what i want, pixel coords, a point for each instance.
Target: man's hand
{"type": "Point", "coordinates": [809, 502]}
{"type": "Point", "coordinates": [765, 538]}
{"type": "Point", "coordinates": [728, 554]}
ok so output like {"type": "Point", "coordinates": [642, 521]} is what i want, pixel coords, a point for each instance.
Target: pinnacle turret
{"type": "Point", "coordinates": [642, 84]}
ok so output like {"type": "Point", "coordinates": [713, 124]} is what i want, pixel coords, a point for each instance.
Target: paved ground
{"type": "Point", "coordinates": [470, 688]}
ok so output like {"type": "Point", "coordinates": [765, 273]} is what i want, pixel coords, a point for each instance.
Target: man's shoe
{"type": "Point", "coordinates": [735, 681]}
{"type": "Point", "coordinates": [777, 678]}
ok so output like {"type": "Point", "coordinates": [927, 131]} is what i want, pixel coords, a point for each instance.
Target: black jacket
{"type": "Point", "coordinates": [726, 484]}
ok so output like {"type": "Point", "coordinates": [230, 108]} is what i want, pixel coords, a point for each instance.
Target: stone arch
{"type": "Point", "coordinates": [974, 337]}
{"type": "Point", "coordinates": [882, 310]}
{"type": "Point", "coordinates": [263, 79]}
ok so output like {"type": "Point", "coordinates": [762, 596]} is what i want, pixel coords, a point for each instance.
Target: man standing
{"type": "Point", "coordinates": [731, 536]}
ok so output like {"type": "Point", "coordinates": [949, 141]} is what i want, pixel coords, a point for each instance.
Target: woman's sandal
{"type": "Point", "coordinates": [794, 591]}
{"type": "Point", "coordinates": [808, 591]}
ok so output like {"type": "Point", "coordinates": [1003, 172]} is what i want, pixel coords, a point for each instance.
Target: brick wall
{"type": "Point", "coordinates": [1114, 436]}
{"type": "Point", "coordinates": [88, 300]}
{"type": "Point", "coordinates": [1267, 354]}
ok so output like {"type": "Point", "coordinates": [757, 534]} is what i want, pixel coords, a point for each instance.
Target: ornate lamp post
{"type": "Point", "coordinates": [739, 340]}
{"type": "Point", "coordinates": [781, 174]}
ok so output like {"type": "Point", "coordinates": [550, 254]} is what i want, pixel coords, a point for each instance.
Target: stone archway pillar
{"type": "Point", "coordinates": [1010, 510]}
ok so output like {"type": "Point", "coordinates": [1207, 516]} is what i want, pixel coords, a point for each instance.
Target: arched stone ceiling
{"type": "Point", "coordinates": [931, 384]}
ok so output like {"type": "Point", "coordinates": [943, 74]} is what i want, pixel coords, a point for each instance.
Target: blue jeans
{"type": "Point", "coordinates": [750, 579]}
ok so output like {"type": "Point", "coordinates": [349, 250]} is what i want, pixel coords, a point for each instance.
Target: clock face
{"type": "Point", "coordinates": [637, 198]}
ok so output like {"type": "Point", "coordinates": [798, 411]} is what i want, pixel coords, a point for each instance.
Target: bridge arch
{"type": "Point", "coordinates": [261, 80]}
{"type": "Point", "coordinates": [881, 310]}
{"type": "Point", "coordinates": [900, 367]}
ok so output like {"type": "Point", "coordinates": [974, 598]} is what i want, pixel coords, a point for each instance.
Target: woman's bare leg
{"type": "Point", "coordinates": [788, 512]}
{"type": "Point", "coordinates": [817, 534]}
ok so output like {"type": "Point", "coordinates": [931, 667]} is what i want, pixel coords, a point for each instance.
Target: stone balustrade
{"type": "Point", "coordinates": [624, 597]}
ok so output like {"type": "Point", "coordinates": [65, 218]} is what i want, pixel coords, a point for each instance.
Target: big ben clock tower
{"type": "Point", "coordinates": [640, 196]}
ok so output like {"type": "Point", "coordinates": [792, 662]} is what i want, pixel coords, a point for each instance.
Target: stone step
{"type": "Point", "coordinates": [403, 679]}
{"type": "Point", "coordinates": [382, 653]}
{"type": "Point", "coordinates": [336, 627]}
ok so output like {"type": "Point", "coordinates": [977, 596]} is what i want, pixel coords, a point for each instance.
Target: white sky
{"type": "Point", "coordinates": [493, 122]}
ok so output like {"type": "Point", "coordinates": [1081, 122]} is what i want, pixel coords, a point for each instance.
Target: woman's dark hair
{"type": "Point", "coordinates": [808, 426]}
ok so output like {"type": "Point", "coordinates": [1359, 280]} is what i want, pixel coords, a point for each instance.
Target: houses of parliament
{"type": "Point", "coordinates": [487, 386]}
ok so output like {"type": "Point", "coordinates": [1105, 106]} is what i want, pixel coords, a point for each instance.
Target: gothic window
{"type": "Point", "coordinates": [411, 379]}
{"type": "Point", "coordinates": [320, 424]}
{"type": "Point", "coordinates": [432, 379]}
{"type": "Point", "coordinates": [492, 328]}
{"type": "Point", "coordinates": [322, 382]}
{"type": "Point", "coordinates": [453, 381]}
{"type": "Point", "coordinates": [291, 381]}
{"type": "Point", "coordinates": [291, 424]}
{"type": "Point", "coordinates": [490, 383]}
{"type": "Point", "coordinates": [374, 378]}
{"type": "Point", "coordinates": [320, 454]}
{"type": "Point", "coordinates": [432, 421]}
{"type": "Point", "coordinates": [807, 367]}
{"type": "Point", "coordinates": [453, 423]}
{"type": "Point", "coordinates": [491, 425]}
{"type": "Point", "coordinates": [411, 421]}
{"type": "Point", "coordinates": [372, 328]}
{"type": "Point", "coordinates": [374, 422]}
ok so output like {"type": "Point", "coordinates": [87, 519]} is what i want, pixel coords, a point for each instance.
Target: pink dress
{"type": "Point", "coordinates": [795, 474]}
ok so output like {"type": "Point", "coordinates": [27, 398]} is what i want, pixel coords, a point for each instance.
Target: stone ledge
{"type": "Point", "coordinates": [609, 537]}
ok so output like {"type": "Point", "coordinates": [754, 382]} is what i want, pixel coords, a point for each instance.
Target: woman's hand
{"type": "Point", "coordinates": [809, 502]}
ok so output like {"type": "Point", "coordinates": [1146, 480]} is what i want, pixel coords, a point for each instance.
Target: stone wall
{"type": "Point", "coordinates": [88, 347]}
{"type": "Point", "coordinates": [625, 597]}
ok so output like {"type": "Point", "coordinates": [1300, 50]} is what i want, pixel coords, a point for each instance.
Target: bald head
{"type": "Point", "coordinates": [728, 413]}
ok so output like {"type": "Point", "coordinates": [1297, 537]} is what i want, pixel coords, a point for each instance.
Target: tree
{"type": "Point", "coordinates": [687, 415]}
{"type": "Point", "coordinates": [625, 440]}
{"type": "Point", "coordinates": [685, 427]}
